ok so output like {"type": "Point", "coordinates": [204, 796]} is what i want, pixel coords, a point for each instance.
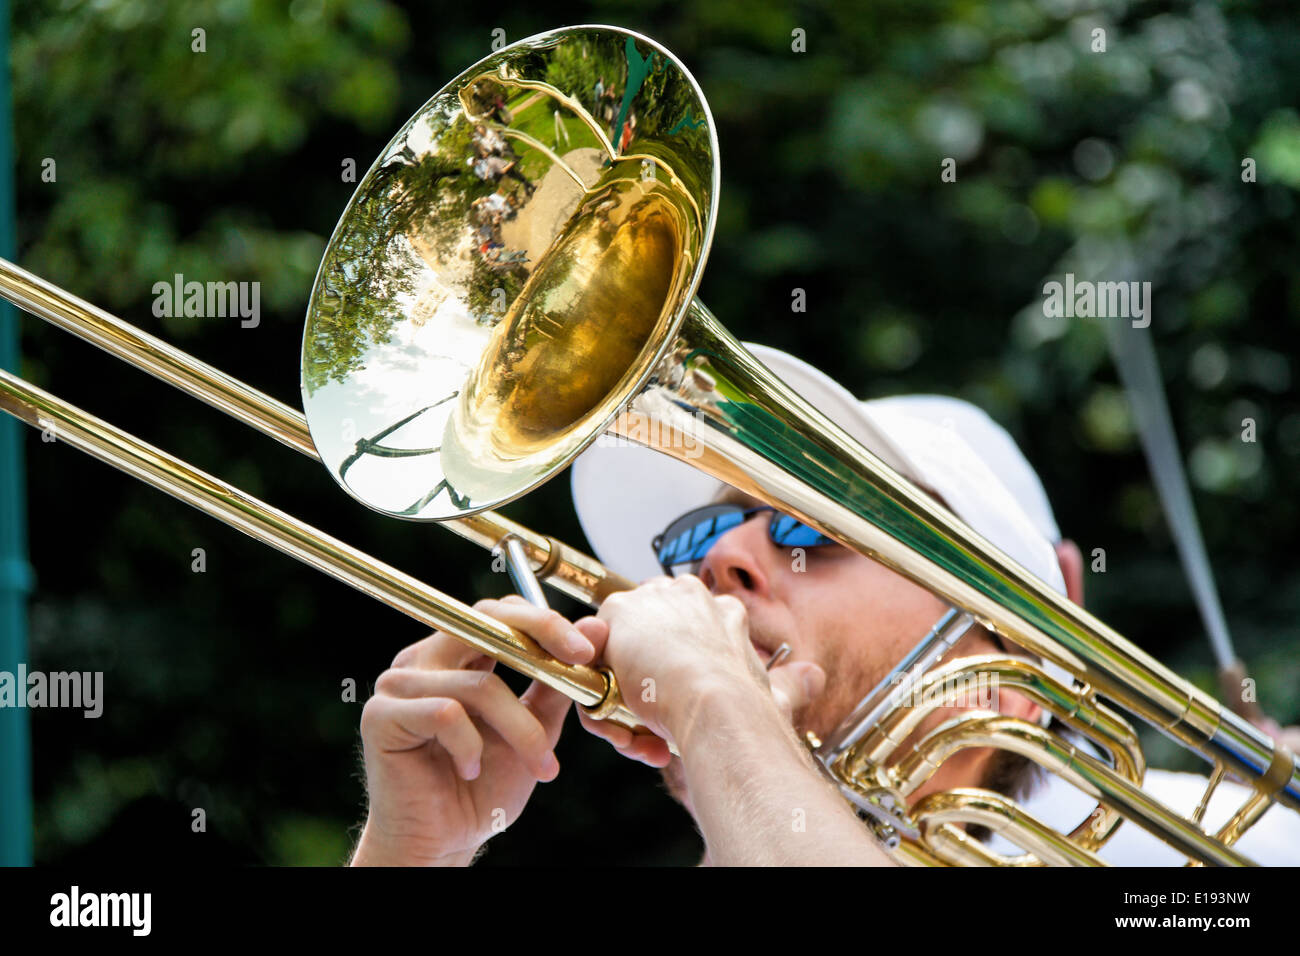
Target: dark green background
{"type": "Point", "coordinates": [223, 688]}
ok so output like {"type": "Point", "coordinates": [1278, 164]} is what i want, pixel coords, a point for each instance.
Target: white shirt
{"type": "Point", "coordinates": [1274, 840]}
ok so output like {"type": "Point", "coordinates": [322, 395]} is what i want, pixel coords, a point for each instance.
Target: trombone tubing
{"type": "Point", "coordinates": [588, 686]}
{"type": "Point", "coordinates": [754, 432]}
{"type": "Point", "coordinates": [559, 565]}
{"type": "Point", "coordinates": [1083, 771]}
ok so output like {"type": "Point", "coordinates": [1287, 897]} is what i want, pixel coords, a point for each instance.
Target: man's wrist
{"type": "Point", "coordinates": [375, 848]}
{"type": "Point", "coordinates": [719, 702]}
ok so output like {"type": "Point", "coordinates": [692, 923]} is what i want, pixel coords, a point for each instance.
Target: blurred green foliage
{"type": "Point", "coordinates": [224, 688]}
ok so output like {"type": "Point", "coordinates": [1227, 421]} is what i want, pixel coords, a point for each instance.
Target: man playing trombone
{"type": "Point", "coordinates": [752, 634]}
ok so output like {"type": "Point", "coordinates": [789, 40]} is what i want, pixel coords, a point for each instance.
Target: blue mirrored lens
{"type": "Point", "coordinates": [789, 533]}
{"type": "Point", "coordinates": [689, 539]}
{"type": "Point", "coordinates": [693, 542]}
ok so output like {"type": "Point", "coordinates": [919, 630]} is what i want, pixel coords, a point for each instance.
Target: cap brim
{"type": "Point", "coordinates": [625, 493]}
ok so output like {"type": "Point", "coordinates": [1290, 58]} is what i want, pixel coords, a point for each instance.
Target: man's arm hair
{"type": "Point", "coordinates": [756, 793]}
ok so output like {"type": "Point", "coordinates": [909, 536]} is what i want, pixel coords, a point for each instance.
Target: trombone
{"type": "Point", "coordinates": [489, 305]}
{"type": "Point", "coordinates": [564, 568]}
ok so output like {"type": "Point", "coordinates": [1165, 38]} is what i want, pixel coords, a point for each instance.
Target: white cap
{"type": "Point", "coordinates": [626, 494]}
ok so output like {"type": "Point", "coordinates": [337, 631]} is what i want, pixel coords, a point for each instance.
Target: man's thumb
{"type": "Point", "coordinates": [794, 685]}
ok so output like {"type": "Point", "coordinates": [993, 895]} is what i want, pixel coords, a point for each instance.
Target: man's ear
{"type": "Point", "coordinates": [1071, 561]}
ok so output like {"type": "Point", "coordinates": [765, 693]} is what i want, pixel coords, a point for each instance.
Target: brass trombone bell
{"type": "Point", "coordinates": [486, 367]}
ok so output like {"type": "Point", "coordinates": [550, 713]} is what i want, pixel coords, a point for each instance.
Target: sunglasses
{"type": "Point", "coordinates": [688, 539]}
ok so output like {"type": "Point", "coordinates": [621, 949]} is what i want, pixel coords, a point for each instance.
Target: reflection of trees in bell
{"type": "Point", "coordinates": [665, 104]}
{"type": "Point", "coordinates": [486, 305]}
{"type": "Point", "coordinates": [576, 68]}
{"type": "Point", "coordinates": [353, 310]}
{"type": "Point", "coordinates": [439, 192]}
{"type": "Point", "coordinates": [409, 211]}
{"type": "Point", "coordinates": [670, 108]}
{"type": "Point", "coordinates": [412, 215]}
{"type": "Point", "coordinates": [555, 271]}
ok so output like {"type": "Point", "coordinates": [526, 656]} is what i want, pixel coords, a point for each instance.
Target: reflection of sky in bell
{"type": "Point", "coordinates": [428, 356]}
{"type": "Point", "coordinates": [419, 139]}
{"type": "Point", "coordinates": [422, 362]}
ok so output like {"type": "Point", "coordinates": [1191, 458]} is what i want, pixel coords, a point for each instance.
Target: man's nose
{"type": "Point", "coordinates": [739, 561]}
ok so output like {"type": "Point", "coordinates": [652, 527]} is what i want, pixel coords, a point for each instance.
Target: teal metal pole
{"type": "Point", "coordinates": [15, 573]}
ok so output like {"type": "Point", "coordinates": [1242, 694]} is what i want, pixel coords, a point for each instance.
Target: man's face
{"type": "Point", "coordinates": [852, 616]}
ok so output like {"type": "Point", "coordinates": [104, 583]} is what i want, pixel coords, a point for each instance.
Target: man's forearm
{"type": "Point", "coordinates": [757, 796]}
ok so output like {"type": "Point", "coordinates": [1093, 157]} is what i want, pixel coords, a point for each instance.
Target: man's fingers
{"type": "Point", "coordinates": [397, 724]}
{"type": "Point", "coordinates": [596, 631]}
{"type": "Point", "coordinates": [733, 612]}
{"type": "Point", "coordinates": [438, 651]}
{"type": "Point", "coordinates": [646, 748]}
{"type": "Point", "coordinates": [615, 734]}
{"type": "Point", "coordinates": [487, 697]}
{"type": "Point", "coordinates": [548, 628]}
{"type": "Point", "coordinates": [794, 685]}
{"type": "Point", "coordinates": [650, 750]}
{"type": "Point", "coordinates": [549, 705]}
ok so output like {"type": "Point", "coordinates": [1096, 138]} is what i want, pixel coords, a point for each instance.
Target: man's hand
{"type": "Point", "coordinates": [671, 641]}
{"type": "Point", "coordinates": [451, 754]}
{"type": "Point", "coordinates": [793, 687]}
{"type": "Point", "coordinates": [688, 671]}
{"type": "Point", "coordinates": [1288, 737]}
{"type": "Point", "coordinates": [684, 632]}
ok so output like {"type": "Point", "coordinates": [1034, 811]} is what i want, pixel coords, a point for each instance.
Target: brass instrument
{"type": "Point", "coordinates": [514, 277]}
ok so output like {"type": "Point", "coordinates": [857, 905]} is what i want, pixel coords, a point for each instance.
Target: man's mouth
{"type": "Point", "coordinates": [764, 645]}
